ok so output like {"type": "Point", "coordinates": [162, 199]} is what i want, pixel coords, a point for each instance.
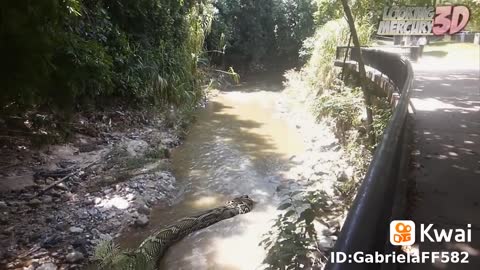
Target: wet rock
{"type": "Point", "coordinates": [142, 221]}
{"type": "Point", "coordinates": [74, 257]}
{"type": "Point", "coordinates": [74, 229]}
{"type": "Point", "coordinates": [143, 209]}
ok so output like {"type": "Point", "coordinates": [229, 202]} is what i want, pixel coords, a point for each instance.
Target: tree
{"type": "Point", "coordinates": [261, 35]}
{"type": "Point", "coordinates": [361, 67]}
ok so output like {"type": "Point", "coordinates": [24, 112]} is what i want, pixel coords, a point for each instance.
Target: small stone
{"type": "Point", "coordinates": [80, 244]}
{"type": "Point", "coordinates": [93, 212]}
{"type": "Point", "coordinates": [47, 266]}
{"type": "Point", "coordinates": [34, 202]}
{"type": "Point", "coordinates": [4, 218]}
{"type": "Point", "coordinates": [74, 229]}
{"type": "Point", "coordinates": [326, 242]}
{"type": "Point", "coordinates": [62, 186]}
{"type": "Point", "coordinates": [105, 237]}
{"type": "Point", "coordinates": [47, 199]}
{"type": "Point", "coordinates": [343, 177]}
{"type": "Point", "coordinates": [74, 257]}
{"type": "Point", "coordinates": [49, 180]}
{"type": "Point", "coordinates": [142, 221]}
{"type": "Point", "coordinates": [55, 193]}
{"type": "Point", "coordinates": [3, 204]}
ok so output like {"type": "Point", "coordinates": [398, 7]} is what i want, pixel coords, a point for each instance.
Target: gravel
{"type": "Point", "coordinates": [60, 229]}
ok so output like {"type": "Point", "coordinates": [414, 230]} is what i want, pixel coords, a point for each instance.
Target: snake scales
{"type": "Point", "coordinates": [149, 253]}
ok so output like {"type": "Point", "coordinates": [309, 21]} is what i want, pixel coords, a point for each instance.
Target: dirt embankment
{"type": "Point", "coordinates": [59, 201]}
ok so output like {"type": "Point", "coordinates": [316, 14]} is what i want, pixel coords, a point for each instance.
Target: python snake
{"type": "Point", "coordinates": [150, 251]}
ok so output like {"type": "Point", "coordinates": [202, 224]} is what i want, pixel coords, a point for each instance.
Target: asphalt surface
{"type": "Point", "coordinates": [446, 164]}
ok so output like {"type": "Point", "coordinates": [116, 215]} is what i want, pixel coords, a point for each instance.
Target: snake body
{"type": "Point", "coordinates": [152, 249]}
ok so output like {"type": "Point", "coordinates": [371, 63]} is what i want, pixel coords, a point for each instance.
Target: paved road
{"type": "Point", "coordinates": [447, 132]}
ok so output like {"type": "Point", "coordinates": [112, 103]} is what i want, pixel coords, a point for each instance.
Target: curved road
{"type": "Point", "coordinates": [446, 98]}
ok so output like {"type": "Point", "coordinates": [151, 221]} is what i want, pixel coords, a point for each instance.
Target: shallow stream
{"type": "Point", "coordinates": [239, 145]}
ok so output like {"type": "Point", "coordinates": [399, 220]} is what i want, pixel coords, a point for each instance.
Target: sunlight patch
{"type": "Point", "coordinates": [117, 202]}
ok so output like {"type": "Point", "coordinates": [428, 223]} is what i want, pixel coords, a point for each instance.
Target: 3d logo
{"type": "Point", "coordinates": [438, 20]}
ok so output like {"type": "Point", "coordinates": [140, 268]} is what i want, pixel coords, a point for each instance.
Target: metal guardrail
{"type": "Point", "coordinates": [367, 223]}
{"type": "Point", "coordinates": [409, 52]}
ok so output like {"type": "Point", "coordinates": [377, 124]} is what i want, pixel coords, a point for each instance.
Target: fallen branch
{"type": "Point", "coordinates": [62, 180]}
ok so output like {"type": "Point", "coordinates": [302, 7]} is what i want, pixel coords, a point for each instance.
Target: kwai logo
{"type": "Point", "coordinates": [402, 233]}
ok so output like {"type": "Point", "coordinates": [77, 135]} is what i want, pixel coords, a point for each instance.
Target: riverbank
{"type": "Point", "coordinates": [125, 181]}
{"type": "Point", "coordinates": [252, 139]}
{"type": "Point", "coordinates": [58, 201]}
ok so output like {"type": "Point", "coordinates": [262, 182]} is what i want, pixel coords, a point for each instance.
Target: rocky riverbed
{"type": "Point", "coordinates": [58, 202]}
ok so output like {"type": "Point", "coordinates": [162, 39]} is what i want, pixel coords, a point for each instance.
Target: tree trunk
{"type": "Point", "coordinates": [361, 68]}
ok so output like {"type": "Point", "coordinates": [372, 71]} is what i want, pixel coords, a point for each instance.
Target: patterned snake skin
{"type": "Point", "coordinates": [149, 253]}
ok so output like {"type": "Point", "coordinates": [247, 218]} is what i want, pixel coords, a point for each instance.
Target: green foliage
{"type": "Point", "coordinates": [258, 35]}
{"type": "Point", "coordinates": [108, 256]}
{"type": "Point", "coordinates": [345, 106]}
{"type": "Point", "coordinates": [293, 241]}
{"type": "Point", "coordinates": [474, 7]}
{"type": "Point", "coordinates": [321, 48]}
{"type": "Point", "coordinates": [382, 113]}
{"type": "Point", "coordinates": [63, 54]}
{"type": "Point", "coordinates": [106, 253]}
{"type": "Point", "coordinates": [317, 84]}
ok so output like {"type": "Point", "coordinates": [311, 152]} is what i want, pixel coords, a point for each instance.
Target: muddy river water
{"type": "Point", "coordinates": [239, 145]}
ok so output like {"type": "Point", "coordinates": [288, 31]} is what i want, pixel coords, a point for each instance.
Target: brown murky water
{"type": "Point", "coordinates": [239, 145]}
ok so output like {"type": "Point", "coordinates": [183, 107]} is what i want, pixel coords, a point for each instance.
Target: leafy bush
{"type": "Point", "coordinates": [344, 106]}
{"type": "Point", "coordinates": [75, 52]}
{"type": "Point", "coordinates": [293, 242]}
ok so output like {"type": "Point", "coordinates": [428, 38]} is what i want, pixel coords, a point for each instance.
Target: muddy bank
{"type": "Point", "coordinates": [111, 179]}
